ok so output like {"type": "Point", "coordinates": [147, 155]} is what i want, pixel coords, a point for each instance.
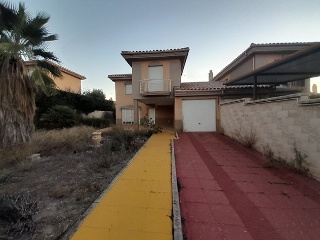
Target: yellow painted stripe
{"type": "Point", "coordinates": [139, 205]}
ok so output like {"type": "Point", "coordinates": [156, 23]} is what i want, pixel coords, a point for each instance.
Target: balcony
{"type": "Point", "coordinates": [155, 87]}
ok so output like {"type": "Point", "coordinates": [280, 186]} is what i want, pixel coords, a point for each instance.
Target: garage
{"type": "Point", "coordinates": [199, 115]}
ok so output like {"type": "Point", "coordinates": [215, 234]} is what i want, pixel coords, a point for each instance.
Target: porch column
{"type": "Point", "coordinates": [255, 88]}
{"type": "Point", "coordinates": [136, 114]}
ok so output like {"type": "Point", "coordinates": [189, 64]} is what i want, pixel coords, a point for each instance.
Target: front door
{"type": "Point", "coordinates": [152, 115]}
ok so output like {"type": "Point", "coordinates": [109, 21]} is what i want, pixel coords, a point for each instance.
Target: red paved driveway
{"type": "Point", "coordinates": [228, 192]}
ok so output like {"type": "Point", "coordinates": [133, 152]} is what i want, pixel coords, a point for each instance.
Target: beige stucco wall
{"type": "Point", "coordinates": [178, 123]}
{"type": "Point", "coordinates": [123, 99]}
{"type": "Point", "coordinates": [278, 124]}
{"type": "Point", "coordinates": [171, 70]}
{"type": "Point", "coordinates": [68, 83]}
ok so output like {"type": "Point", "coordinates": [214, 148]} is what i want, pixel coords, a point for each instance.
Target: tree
{"type": "Point", "coordinates": [23, 39]}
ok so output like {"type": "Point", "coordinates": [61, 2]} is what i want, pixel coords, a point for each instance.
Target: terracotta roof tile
{"type": "Point", "coordinates": [157, 50]}
{"type": "Point", "coordinates": [213, 85]}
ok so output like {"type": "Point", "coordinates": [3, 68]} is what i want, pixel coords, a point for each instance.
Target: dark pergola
{"type": "Point", "coordinates": [299, 66]}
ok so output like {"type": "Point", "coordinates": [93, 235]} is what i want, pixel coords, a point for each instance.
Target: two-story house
{"type": "Point", "coordinates": [149, 90]}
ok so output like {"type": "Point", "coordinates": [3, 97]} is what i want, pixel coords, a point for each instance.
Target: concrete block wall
{"type": "Point", "coordinates": [279, 124]}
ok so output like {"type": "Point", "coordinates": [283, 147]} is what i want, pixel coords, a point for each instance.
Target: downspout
{"type": "Point", "coordinates": [255, 88]}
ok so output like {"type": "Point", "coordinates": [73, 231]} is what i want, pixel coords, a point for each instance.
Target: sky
{"type": "Point", "coordinates": [93, 33]}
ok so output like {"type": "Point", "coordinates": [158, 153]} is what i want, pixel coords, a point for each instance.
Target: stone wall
{"type": "Point", "coordinates": [279, 124]}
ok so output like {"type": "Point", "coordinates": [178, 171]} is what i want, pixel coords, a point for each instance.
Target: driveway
{"type": "Point", "coordinates": [228, 191]}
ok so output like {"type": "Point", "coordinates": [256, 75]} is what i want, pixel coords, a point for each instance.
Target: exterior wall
{"type": "Point", "coordinates": [123, 99]}
{"type": "Point", "coordinates": [279, 124]}
{"type": "Point", "coordinates": [68, 83]}
{"type": "Point", "coordinates": [178, 123]}
{"type": "Point", "coordinates": [171, 70]}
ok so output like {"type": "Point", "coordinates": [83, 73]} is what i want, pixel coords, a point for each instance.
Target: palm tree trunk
{"type": "Point", "coordinates": [17, 102]}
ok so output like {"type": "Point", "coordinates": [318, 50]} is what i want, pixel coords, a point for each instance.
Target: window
{"type": "Point", "coordinates": [127, 116]}
{"type": "Point", "coordinates": [128, 88]}
{"type": "Point", "coordinates": [155, 78]}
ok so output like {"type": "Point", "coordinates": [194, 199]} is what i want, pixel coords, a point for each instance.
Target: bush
{"type": "Point", "coordinates": [59, 117]}
{"type": "Point", "coordinates": [127, 140]}
{"type": "Point", "coordinates": [95, 122]}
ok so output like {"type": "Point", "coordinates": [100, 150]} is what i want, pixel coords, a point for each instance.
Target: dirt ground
{"type": "Point", "coordinates": [60, 187]}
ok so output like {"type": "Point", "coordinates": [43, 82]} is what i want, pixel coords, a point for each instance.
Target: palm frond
{"type": "Point", "coordinates": [43, 83]}
{"type": "Point", "coordinates": [49, 67]}
{"type": "Point", "coordinates": [45, 55]}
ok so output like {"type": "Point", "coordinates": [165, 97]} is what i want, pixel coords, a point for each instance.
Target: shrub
{"type": "Point", "coordinates": [127, 140]}
{"type": "Point", "coordinates": [62, 140]}
{"type": "Point", "coordinates": [59, 117]}
{"type": "Point", "coordinates": [95, 122]}
{"type": "Point", "coordinates": [150, 126]}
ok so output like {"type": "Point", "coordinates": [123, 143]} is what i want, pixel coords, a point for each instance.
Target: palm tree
{"type": "Point", "coordinates": [23, 39]}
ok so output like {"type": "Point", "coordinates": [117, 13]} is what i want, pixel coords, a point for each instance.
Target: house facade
{"type": "Point", "coordinates": [69, 81]}
{"type": "Point", "coordinates": [149, 91]}
{"type": "Point", "coordinates": [154, 90]}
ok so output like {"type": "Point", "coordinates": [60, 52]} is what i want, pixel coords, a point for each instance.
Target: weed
{"type": "Point", "coordinates": [247, 138]}
{"type": "Point", "coordinates": [150, 126]}
{"type": "Point", "coordinates": [300, 160]}
{"type": "Point", "coordinates": [269, 155]}
{"type": "Point", "coordinates": [17, 213]}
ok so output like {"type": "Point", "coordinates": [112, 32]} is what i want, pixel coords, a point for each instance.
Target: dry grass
{"type": "Point", "coordinates": [246, 137]}
{"type": "Point", "coordinates": [68, 139]}
{"type": "Point", "coordinates": [66, 180]}
{"type": "Point", "coordinates": [48, 143]}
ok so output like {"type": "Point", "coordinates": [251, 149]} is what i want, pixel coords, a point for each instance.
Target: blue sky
{"type": "Point", "coordinates": [93, 33]}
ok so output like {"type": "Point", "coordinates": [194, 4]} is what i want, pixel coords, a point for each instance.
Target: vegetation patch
{"type": "Point", "coordinates": [60, 186]}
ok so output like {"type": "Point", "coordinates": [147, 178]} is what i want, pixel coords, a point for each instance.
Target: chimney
{"type": "Point", "coordinates": [210, 76]}
{"type": "Point", "coordinates": [314, 88]}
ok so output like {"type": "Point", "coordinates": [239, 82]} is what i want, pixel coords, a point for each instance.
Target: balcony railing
{"type": "Point", "coordinates": [155, 87]}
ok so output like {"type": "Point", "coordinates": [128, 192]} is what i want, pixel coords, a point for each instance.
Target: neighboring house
{"type": "Point", "coordinates": [70, 81]}
{"type": "Point", "coordinates": [263, 70]}
{"type": "Point", "coordinates": [256, 56]}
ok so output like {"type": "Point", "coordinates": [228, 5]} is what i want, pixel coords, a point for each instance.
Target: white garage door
{"type": "Point", "coordinates": [199, 115]}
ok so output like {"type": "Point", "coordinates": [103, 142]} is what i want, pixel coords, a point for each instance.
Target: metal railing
{"type": "Point", "coordinates": [155, 87]}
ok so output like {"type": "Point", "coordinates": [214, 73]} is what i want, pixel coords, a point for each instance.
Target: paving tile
{"type": "Point", "coordinates": [203, 231]}
{"type": "Point", "coordinates": [189, 182]}
{"type": "Point", "coordinates": [193, 195]}
{"type": "Point", "coordinates": [216, 197]}
{"type": "Point", "coordinates": [187, 173]}
{"type": "Point", "coordinates": [204, 174]}
{"type": "Point", "coordinates": [160, 200]}
{"type": "Point", "coordinates": [209, 184]}
{"type": "Point", "coordinates": [199, 212]}
{"type": "Point", "coordinates": [226, 215]}
{"type": "Point", "coordinates": [94, 233]}
{"type": "Point", "coordinates": [157, 220]}
{"type": "Point", "coordinates": [231, 232]}
{"type": "Point", "coordinates": [279, 218]}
